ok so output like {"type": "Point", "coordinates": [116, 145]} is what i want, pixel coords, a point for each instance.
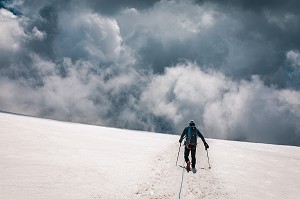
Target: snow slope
{"type": "Point", "coordinates": [42, 158]}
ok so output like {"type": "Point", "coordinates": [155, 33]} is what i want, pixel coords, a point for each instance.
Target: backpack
{"type": "Point", "coordinates": [191, 138]}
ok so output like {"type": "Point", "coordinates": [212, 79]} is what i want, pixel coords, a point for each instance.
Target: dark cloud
{"type": "Point", "coordinates": [47, 24]}
{"type": "Point", "coordinates": [256, 5]}
{"type": "Point", "coordinates": [232, 66]}
{"type": "Point", "coordinates": [238, 42]}
{"type": "Point", "coordinates": [109, 7]}
{"type": "Point", "coordinates": [7, 4]}
{"type": "Point", "coordinates": [105, 7]}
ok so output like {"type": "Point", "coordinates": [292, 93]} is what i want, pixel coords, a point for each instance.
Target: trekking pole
{"type": "Point", "coordinates": [178, 154]}
{"type": "Point", "coordinates": [208, 159]}
{"type": "Point", "coordinates": [179, 194]}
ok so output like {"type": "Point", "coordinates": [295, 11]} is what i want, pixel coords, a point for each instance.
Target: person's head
{"type": "Point", "coordinates": [192, 123]}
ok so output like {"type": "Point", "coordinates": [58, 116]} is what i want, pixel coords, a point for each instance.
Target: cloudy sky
{"type": "Point", "coordinates": [232, 66]}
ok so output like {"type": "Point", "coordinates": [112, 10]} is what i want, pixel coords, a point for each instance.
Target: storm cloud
{"type": "Point", "coordinates": [232, 66]}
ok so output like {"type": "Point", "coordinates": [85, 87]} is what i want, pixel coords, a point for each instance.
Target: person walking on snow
{"type": "Point", "coordinates": [191, 133]}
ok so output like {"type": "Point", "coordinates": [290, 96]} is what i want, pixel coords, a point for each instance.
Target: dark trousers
{"type": "Point", "coordinates": [187, 150]}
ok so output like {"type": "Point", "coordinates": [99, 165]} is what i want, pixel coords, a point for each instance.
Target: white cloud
{"type": "Point", "coordinates": [37, 34]}
{"type": "Point", "coordinates": [183, 91]}
{"type": "Point", "coordinates": [132, 11]}
{"type": "Point", "coordinates": [293, 68]}
{"type": "Point", "coordinates": [294, 58]}
{"type": "Point", "coordinates": [11, 31]}
{"type": "Point", "coordinates": [167, 21]}
{"type": "Point", "coordinates": [282, 20]}
{"type": "Point", "coordinates": [87, 35]}
{"type": "Point", "coordinates": [223, 108]}
{"type": "Point", "coordinates": [6, 15]}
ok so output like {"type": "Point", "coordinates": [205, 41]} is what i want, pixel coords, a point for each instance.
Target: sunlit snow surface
{"type": "Point", "coordinates": [42, 158]}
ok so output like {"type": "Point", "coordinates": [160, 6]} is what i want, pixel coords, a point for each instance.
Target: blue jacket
{"type": "Point", "coordinates": [186, 132]}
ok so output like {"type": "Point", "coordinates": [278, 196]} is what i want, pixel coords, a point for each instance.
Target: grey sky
{"type": "Point", "coordinates": [232, 66]}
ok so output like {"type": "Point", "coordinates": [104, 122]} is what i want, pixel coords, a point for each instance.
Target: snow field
{"type": "Point", "coordinates": [45, 159]}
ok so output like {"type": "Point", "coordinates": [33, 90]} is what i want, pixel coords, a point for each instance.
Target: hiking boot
{"type": "Point", "coordinates": [188, 166]}
{"type": "Point", "coordinates": [194, 170]}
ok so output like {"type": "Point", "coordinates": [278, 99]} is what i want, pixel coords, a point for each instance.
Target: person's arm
{"type": "Point", "coordinates": [203, 140]}
{"type": "Point", "coordinates": [182, 135]}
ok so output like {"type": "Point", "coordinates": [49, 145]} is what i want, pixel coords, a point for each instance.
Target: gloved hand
{"type": "Point", "coordinates": [180, 140]}
{"type": "Point", "coordinates": [206, 146]}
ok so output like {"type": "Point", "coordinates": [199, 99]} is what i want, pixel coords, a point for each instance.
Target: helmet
{"type": "Point", "coordinates": [192, 123]}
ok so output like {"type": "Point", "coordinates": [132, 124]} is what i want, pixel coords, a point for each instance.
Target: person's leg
{"type": "Point", "coordinates": [193, 153]}
{"type": "Point", "coordinates": [186, 154]}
